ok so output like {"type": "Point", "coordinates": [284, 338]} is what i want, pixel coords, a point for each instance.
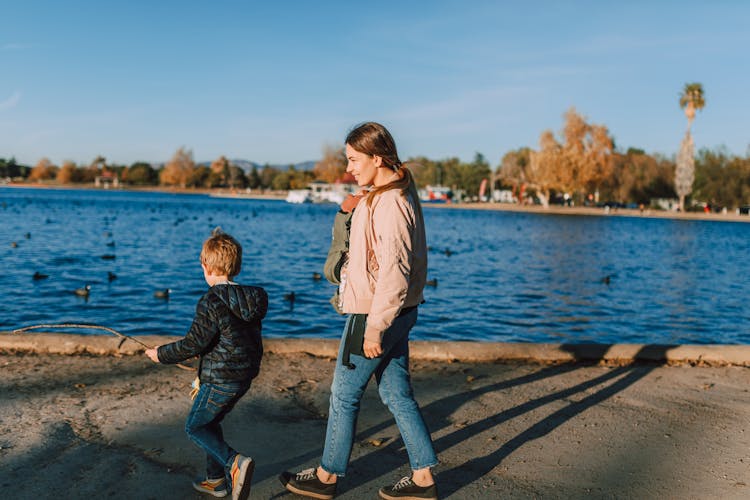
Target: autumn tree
{"type": "Point", "coordinates": [220, 170]}
{"type": "Point", "coordinates": [332, 166]}
{"type": "Point", "coordinates": [68, 173]}
{"type": "Point", "coordinates": [588, 154]}
{"type": "Point", "coordinates": [179, 169]}
{"type": "Point", "coordinates": [582, 162]}
{"type": "Point", "coordinates": [43, 170]}
{"type": "Point", "coordinates": [544, 166]}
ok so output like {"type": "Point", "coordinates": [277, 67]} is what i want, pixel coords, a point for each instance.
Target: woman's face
{"type": "Point", "coordinates": [363, 167]}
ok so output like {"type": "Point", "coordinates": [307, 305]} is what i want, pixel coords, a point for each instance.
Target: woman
{"type": "Point", "coordinates": [381, 287]}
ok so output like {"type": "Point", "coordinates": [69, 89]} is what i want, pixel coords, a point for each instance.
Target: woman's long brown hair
{"type": "Point", "coordinates": [374, 139]}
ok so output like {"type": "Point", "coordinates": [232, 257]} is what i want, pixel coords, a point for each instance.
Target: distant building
{"type": "Point", "coordinates": [321, 192]}
{"type": "Point", "coordinates": [107, 180]}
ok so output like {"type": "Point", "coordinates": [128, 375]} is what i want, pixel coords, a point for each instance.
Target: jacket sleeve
{"type": "Point", "coordinates": [339, 247]}
{"type": "Point", "coordinates": [393, 227]}
{"type": "Point", "coordinates": [198, 339]}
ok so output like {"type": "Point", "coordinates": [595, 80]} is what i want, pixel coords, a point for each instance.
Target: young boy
{"type": "Point", "coordinates": [226, 334]}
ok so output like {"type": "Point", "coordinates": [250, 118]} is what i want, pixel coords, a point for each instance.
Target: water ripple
{"type": "Point", "coordinates": [500, 276]}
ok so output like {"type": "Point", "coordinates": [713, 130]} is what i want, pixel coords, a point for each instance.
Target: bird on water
{"type": "Point", "coordinates": [290, 297]}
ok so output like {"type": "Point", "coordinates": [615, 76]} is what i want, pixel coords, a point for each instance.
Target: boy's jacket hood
{"type": "Point", "coordinates": [249, 303]}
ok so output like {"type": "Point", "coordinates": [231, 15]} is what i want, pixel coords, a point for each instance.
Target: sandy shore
{"type": "Point", "coordinates": [111, 424]}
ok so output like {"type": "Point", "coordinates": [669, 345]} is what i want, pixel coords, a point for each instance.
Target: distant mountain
{"type": "Point", "coordinates": [247, 165]}
{"type": "Point", "coordinates": [305, 165]}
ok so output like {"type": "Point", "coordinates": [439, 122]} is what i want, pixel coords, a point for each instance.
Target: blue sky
{"type": "Point", "coordinates": [275, 81]}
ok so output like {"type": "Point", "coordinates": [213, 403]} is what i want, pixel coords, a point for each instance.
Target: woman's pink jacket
{"type": "Point", "coordinates": [387, 266]}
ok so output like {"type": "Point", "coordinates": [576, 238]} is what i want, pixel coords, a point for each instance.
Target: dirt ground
{"type": "Point", "coordinates": [86, 426]}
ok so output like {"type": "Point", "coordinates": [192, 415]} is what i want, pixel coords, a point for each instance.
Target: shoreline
{"type": "Point", "coordinates": [593, 211]}
{"type": "Point", "coordinates": [420, 350]}
{"type": "Point", "coordinates": [499, 207]}
{"type": "Point", "coordinates": [222, 192]}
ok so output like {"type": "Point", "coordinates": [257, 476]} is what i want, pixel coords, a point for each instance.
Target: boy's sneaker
{"type": "Point", "coordinates": [306, 483]}
{"type": "Point", "coordinates": [214, 487]}
{"type": "Point", "coordinates": [405, 489]}
{"type": "Point", "coordinates": [241, 474]}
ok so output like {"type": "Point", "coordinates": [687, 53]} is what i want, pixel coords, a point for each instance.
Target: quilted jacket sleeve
{"type": "Point", "coordinates": [200, 338]}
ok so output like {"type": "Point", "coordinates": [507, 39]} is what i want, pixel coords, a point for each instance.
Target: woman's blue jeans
{"type": "Point", "coordinates": [212, 403]}
{"type": "Point", "coordinates": [391, 372]}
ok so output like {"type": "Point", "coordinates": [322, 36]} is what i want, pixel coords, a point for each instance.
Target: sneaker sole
{"type": "Point", "coordinates": [321, 496]}
{"type": "Point", "coordinates": [386, 496]}
{"type": "Point", "coordinates": [218, 494]}
{"type": "Point", "coordinates": [243, 484]}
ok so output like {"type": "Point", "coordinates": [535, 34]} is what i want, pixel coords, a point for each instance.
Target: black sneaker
{"type": "Point", "coordinates": [405, 489]}
{"type": "Point", "coordinates": [306, 483]}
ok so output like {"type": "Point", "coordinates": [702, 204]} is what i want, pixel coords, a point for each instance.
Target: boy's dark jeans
{"type": "Point", "coordinates": [212, 403]}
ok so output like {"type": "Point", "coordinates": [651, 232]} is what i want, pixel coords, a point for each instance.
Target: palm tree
{"type": "Point", "coordinates": [692, 99]}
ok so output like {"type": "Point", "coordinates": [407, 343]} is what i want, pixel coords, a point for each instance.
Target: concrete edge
{"type": "Point", "coordinates": [449, 351]}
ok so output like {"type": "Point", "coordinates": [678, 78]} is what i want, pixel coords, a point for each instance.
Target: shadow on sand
{"type": "Point", "coordinates": [372, 466]}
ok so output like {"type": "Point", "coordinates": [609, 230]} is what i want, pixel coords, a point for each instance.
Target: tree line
{"type": "Point", "coordinates": [629, 177]}
{"type": "Point", "coordinates": [580, 165]}
{"type": "Point", "coordinates": [180, 171]}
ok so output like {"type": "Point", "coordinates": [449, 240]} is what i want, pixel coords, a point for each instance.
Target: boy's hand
{"type": "Point", "coordinates": [372, 349]}
{"type": "Point", "coordinates": [152, 354]}
{"type": "Point", "coordinates": [350, 202]}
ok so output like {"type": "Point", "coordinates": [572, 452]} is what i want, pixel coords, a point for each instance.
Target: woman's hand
{"type": "Point", "coordinates": [152, 354]}
{"type": "Point", "coordinates": [372, 349]}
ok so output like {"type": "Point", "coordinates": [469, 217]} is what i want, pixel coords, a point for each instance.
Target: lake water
{"type": "Point", "coordinates": [501, 276]}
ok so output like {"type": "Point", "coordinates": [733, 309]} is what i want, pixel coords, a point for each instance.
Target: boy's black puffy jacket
{"type": "Point", "coordinates": [226, 334]}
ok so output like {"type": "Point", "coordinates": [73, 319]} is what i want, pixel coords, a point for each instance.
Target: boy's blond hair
{"type": "Point", "coordinates": [222, 254]}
